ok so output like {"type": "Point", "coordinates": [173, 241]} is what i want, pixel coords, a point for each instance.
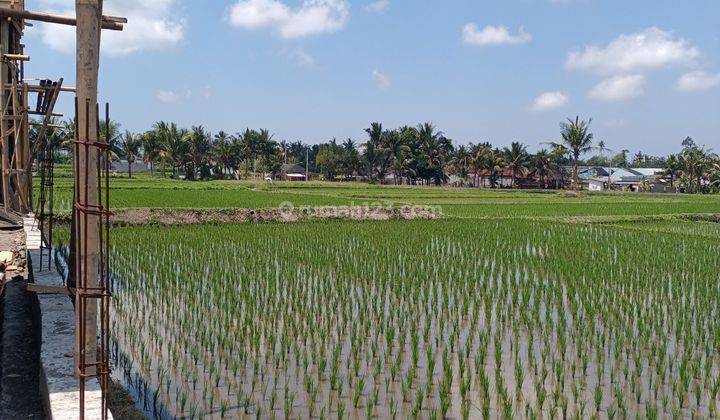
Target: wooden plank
{"type": "Point", "coordinates": [108, 22]}
{"type": "Point", "coordinates": [16, 57]}
{"type": "Point", "coordinates": [42, 289]}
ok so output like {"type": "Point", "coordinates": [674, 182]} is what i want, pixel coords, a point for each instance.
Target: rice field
{"type": "Point", "coordinates": [674, 226]}
{"type": "Point", "coordinates": [153, 192]}
{"type": "Point", "coordinates": [429, 319]}
{"type": "Point", "coordinates": [502, 309]}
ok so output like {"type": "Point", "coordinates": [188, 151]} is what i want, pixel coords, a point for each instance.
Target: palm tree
{"type": "Point", "coordinates": [375, 157]}
{"type": "Point", "coordinates": [480, 154]}
{"type": "Point", "coordinates": [56, 136]}
{"type": "Point", "coordinates": [544, 166]}
{"type": "Point", "coordinates": [461, 162]}
{"type": "Point", "coordinates": [713, 173]}
{"type": "Point", "coordinates": [577, 139]}
{"type": "Point", "coordinates": [150, 142]}
{"type": "Point", "coordinates": [111, 133]}
{"type": "Point", "coordinates": [434, 150]}
{"type": "Point", "coordinates": [517, 160]}
{"type": "Point", "coordinates": [495, 163]}
{"type": "Point", "coordinates": [396, 152]}
{"type": "Point", "coordinates": [199, 146]}
{"type": "Point", "coordinates": [223, 152]}
{"type": "Point", "coordinates": [696, 163]}
{"type": "Point", "coordinates": [268, 152]}
{"type": "Point", "coordinates": [376, 154]}
{"type": "Point", "coordinates": [672, 169]}
{"type": "Point", "coordinates": [350, 158]}
{"type": "Point", "coordinates": [172, 145]}
{"type": "Point", "coordinates": [247, 147]}
{"type": "Point", "coordinates": [375, 133]}
{"type": "Point", "coordinates": [130, 145]}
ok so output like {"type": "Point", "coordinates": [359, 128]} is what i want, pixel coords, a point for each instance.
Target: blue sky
{"type": "Point", "coordinates": [647, 72]}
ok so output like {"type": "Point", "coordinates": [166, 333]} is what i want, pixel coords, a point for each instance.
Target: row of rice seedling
{"type": "Point", "coordinates": [417, 319]}
{"type": "Point", "coordinates": [677, 226]}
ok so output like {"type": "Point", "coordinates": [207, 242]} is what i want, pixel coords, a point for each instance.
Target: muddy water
{"type": "Point", "coordinates": [279, 389]}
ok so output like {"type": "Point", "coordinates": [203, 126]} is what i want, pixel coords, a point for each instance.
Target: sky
{"type": "Point", "coordinates": [646, 71]}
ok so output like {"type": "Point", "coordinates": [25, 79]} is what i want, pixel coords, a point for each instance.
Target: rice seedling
{"type": "Point", "coordinates": [512, 317]}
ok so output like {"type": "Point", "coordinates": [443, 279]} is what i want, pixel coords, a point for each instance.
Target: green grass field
{"type": "Point", "coordinates": [145, 191]}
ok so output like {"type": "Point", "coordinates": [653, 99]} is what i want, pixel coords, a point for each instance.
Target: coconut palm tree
{"type": "Point", "coordinates": [377, 155]}
{"type": "Point", "coordinates": [130, 145]}
{"type": "Point", "coordinates": [517, 160]}
{"type": "Point", "coordinates": [713, 173]}
{"type": "Point", "coordinates": [479, 156]}
{"type": "Point", "coordinates": [544, 166]}
{"type": "Point", "coordinates": [672, 169]}
{"type": "Point", "coordinates": [396, 152]}
{"type": "Point", "coordinates": [350, 158]}
{"type": "Point", "coordinates": [577, 140]}
{"type": "Point", "coordinates": [461, 162]}
{"type": "Point", "coordinates": [435, 150]}
{"type": "Point", "coordinates": [247, 147]}
{"type": "Point", "coordinates": [172, 145]}
{"type": "Point", "coordinates": [223, 153]}
{"type": "Point", "coordinates": [150, 143]}
{"type": "Point", "coordinates": [696, 163]}
{"type": "Point", "coordinates": [268, 152]}
{"type": "Point", "coordinates": [494, 163]}
{"type": "Point", "coordinates": [375, 133]}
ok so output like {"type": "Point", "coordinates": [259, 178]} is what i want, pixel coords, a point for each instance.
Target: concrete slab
{"type": "Point", "coordinates": [58, 340]}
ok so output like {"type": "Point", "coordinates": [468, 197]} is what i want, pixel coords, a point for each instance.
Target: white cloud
{"type": "Point", "coordinates": [312, 17]}
{"type": "Point", "coordinates": [168, 96]}
{"type": "Point", "coordinates": [619, 88]}
{"type": "Point", "coordinates": [378, 6]}
{"type": "Point", "coordinates": [299, 57]}
{"type": "Point", "coordinates": [151, 26]}
{"type": "Point", "coordinates": [381, 79]}
{"type": "Point", "coordinates": [550, 100]}
{"type": "Point", "coordinates": [697, 80]}
{"type": "Point", "coordinates": [493, 35]}
{"type": "Point", "coordinates": [650, 49]}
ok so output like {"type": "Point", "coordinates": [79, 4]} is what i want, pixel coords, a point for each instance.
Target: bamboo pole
{"type": "Point", "coordinates": [4, 126]}
{"type": "Point", "coordinates": [108, 22]}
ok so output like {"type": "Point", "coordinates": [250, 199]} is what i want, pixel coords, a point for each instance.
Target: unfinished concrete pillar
{"type": "Point", "coordinates": [87, 241]}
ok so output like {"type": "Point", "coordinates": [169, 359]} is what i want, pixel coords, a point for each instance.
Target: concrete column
{"type": "Point", "coordinates": [87, 244]}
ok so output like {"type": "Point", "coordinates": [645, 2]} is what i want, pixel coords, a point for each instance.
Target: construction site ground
{"type": "Point", "coordinates": [37, 335]}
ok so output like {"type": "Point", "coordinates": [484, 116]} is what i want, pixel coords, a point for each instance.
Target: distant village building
{"type": "Point", "coordinates": [293, 172]}
{"type": "Point", "coordinates": [121, 167]}
{"type": "Point", "coordinates": [599, 178]}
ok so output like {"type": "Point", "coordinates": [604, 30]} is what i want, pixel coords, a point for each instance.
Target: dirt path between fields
{"type": "Point", "coordinates": [284, 215]}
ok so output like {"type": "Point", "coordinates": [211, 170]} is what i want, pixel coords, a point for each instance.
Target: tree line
{"type": "Point", "coordinates": [416, 155]}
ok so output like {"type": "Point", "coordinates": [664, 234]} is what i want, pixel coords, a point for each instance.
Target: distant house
{"type": "Point", "coordinates": [121, 167]}
{"type": "Point", "coordinates": [595, 184]}
{"type": "Point", "coordinates": [597, 178]}
{"type": "Point", "coordinates": [504, 178]}
{"type": "Point", "coordinates": [293, 172]}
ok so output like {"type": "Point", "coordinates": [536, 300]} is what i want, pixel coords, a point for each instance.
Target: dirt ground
{"type": "Point", "coordinates": [183, 217]}
{"type": "Point", "coordinates": [121, 404]}
{"type": "Point", "coordinates": [12, 253]}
